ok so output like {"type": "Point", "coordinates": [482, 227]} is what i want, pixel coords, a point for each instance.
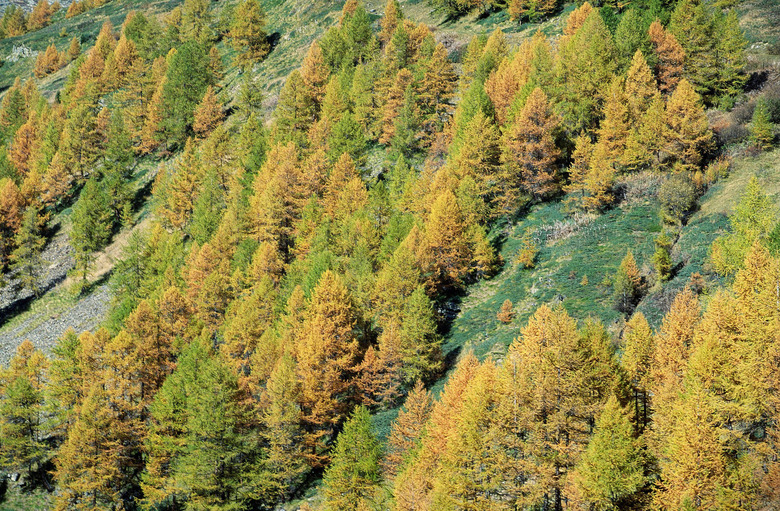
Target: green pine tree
{"type": "Point", "coordinates": [91, 221]}
{"type": "Point", "coordinates": [353, 477]}
{"type": "Point", "coordinates": [611, 472]}
{"type": "Point", "coordinates": [762, 130]}
{"type": "Point", "coordinates": [26, 257]}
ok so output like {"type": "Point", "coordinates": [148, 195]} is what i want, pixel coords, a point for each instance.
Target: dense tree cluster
{"type": "Point", "coordinates": [291, 279]}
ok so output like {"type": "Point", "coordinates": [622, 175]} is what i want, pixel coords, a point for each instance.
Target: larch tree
{"type": "Point", "coordinates": [673, 346]}
{"type": "Point", "coordinates": [354, 474]}
{"type": "Point", "coordinates": [247, 34]}
{"type": "Point", "coordinates": [11, 208]}
{"type": "Point", "coordinates": [88, 463]}
{"type": "Point", "coordinates": [670, 57]}
{"type": "Point", "coordinates": [407, 430]}
{"type": "Point", "coordinates": [444, 253]}
{"type": "Point", "coordinates": [91, 220]}
{"type": "Point", "coordinates": [327, 356]}
{"type": "Point", "coordinates": [187, 79]}
{"type": "Point", "coordinates": [762, 129]}
{"type": "Point", "coordinates": [689, 134]}
{"type": "Point", "coordinates": [637, 361]}
{"type": "Point", "coordinates": [613, 131]}
{"type": "Point", "coordinates": [611, 472]}
{"type": "Point", "coordinates": [285, 462]}
{"type": "Point", "coordinates": [23, 409]}
{"type": "Point", "coordinates": [195, 21]}
{"type": "Point", "coordinates": [27, 256]}
{"type": "Point", "coordinates": [208, 114]}
{"type": "Point", "coordinates": [586, 62]}
{"type": "Point", "coordinates": [627, 283]}
{"type": "Point", "coordinates": [754, 217]}
{"type": "Point", "coordinates": [529, 154]}
{"type": "Point", "coordinates": [640, 89]}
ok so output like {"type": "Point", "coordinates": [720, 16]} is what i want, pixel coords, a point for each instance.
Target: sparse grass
{"type": "Point", "coordinates": [86, 26]}
{"type": "Point", "coordinates": [594, 249]}
{"type": "Point", "coordinates": [16, 500]}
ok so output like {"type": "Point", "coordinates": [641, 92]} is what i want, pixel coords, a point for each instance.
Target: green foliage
{"type": "Point", "coordinates": [27, 256]}
{"type": "Point", "coordinates": [187, 79]}
{"type": "Point", "coordinates": [662, 258]}
{"type": "Point", "coordinates": [197, 423]}
{"type": "Point", "coordinates": [626, 284]}
{"type": "Point", "coordinates": [353, 477]}
{"type": "Point", "coordinates": [754, 218]}
{"type": "Point", "coordinates": [91, 225]}
{"type": "Point", "coordinates": [762, 130]}
{"type": "Point", "coordinates": [611, 472]}
{"type": "Point", "coordinates": [677, 196]}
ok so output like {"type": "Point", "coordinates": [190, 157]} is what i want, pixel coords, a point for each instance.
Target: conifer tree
{"type": "Point", "coordinates": [420, 348]}
{"type": "Point", "coordinates": [693, 26]}
{"type": "Point", "coordinates": [88, 464]}
{"type": "Point", "coordinates": [22, 409]}
{"type": "Point", "coordinates": [627, 283]}
{"type": "Point", "coordinates": [178, 188]}
{"type": "Point", "coordinates": [91, 220]}
{"type": "Point", "coordinates": [586, 62]}
{"type": "Point", "coordinates": [592, 187]}
{"type": "Point", "coordinates": [673, 346]}
{"type": "Point", "coordinates": [613, 131]}
{"type": "Point", "coordinates": [26, 257]}
{"type": "Point", "coordinates": [187, 79]}
{"type": "Point", "coordinates": [74, 49]}
{"type": "Point", "coordinates": [25, 145]}
{"type": "Point", "coordinates": [670, 57]}
{"type": "Point", "coordinates": [730, 55]}
{"type": "Point", "coordinates": [530, 153]}
{"type": "Point", "coordinates": [353, 476]}
{"type": "Point", "coordinates": [392, 16]}
{"type": "Point", "coordinates": [407, 429]}
{"type": "Point", "coordinates": [208, 114]}
{"type": "Point", "coordinates": [445, 251]}
{"type": "Point", "coordinates": [198, 450]}
{"type": "Point", "coordinates": [468, 477]}
{"type": "Point", "coordinates": [393, 105]}
{"type": "Point", "coordinates": [640, 89]}
{"type": "Point", "coordinates": [195, 21]}
{"type": "Point", "coordinates": [753, 219]}
{"type": "Point", "coordinates": [762, 130]}
{"type": "Point", "coordinates": [649, 138]}
{"type": "Point", "coordinates": [689, 135]}
{"type": "Point", "coordinates": [637, 362]}
{"type": "Point", "coordinates": [505, 313]}
{"type": "Point", "coordinates": [611, 472]}
{"type": "Point", "coordinates": [247, 34]}
{"type": "Point", "coordinates": [326, 353]}
{"type": "Point", "coordinates": [662, 258]}
{"type": "Point", "coordinates": [631, 36]}
{"type": "Point", "coordinates": [285, 463]}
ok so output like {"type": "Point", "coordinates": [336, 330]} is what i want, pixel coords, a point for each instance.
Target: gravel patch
{"type": "Point", "coordinates": [58, 260]}
{"type": "Point", "coordinates": [45, 328]}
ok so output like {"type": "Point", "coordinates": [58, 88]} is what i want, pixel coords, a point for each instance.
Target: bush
{"type": "Point", "coordinates": [677, 197]}
{"type": "Point", "coordinates": [627, 284]}
{"type": "Point", "coordinates": [505, 313]}
{"type": "Point", "coordinates": [662, 258]}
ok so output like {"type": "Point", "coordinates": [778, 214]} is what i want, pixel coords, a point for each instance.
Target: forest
{"type": "Point", "coordinates": [295, 257]}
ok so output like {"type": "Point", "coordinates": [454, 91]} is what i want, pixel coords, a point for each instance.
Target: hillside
{"type": "Point", "coordinates": [381, 255]}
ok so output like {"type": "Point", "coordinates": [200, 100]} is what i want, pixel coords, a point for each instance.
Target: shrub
{"type": "Point", "coordinates": [528, 251]}
{"type": "Point", "coordinates": [505, 313]}
{"type": "Point", "coordinates": [677, 197]}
